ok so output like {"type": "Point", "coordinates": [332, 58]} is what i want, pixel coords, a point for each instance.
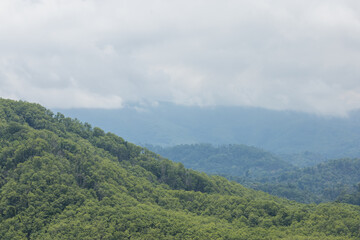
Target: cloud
{"type": "Point", "coordinates": [299, 55]}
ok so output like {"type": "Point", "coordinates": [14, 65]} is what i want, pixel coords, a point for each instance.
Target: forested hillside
{"type": "Point", "coordinates": [61, 179]}
{"type": "Point", "coordinates": [261, 170]}
{"type": "Point", "coordinates": [353, 198]}
{"type": "Point", "coordinates": [303, 159]}
{"type": "Point", "coordinates": [326, 181]}
{"type": "Point", "coordinates": [234, 160]}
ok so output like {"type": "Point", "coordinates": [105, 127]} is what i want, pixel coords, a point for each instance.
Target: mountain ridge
{"type": "Point", "coordinates": [321, 181]}
{"type": "Point", "coordinates": [280, 132]}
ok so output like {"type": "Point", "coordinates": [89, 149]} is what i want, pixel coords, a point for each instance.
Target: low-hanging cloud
{"type": "Point", "coordinates": [298, 55]}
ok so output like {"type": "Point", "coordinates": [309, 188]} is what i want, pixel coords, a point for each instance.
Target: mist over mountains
{"type": "Point", "coordinates": [284, 132]}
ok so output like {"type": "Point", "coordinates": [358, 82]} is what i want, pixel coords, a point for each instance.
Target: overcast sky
{"type": "Point", "coordinates": [280, 54]}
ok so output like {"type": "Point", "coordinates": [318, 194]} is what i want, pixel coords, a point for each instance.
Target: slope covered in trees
{"type": "Point", "coordinates": [261, 170]}
{"type": "Point", "coordinates": [303, 159]}
{"type": "Point", "coordinates": [326, 181]}
{"type": "Point", "coordinates": [353, 198]}
{"type": "Point", "coordinates": [61, 179]}
{"type": "Point", "coordinates": [232, 160]}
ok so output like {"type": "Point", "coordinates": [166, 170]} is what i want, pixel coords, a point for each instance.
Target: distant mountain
{"type": "Point", "coordinates": [281, 132]}
{"type": "Point", "coordinates": [233, 159]}
{"type": "Point", "coordinates": [62, 179]}
{"type": "Point", "coordinates": [352, 198]}
{"type": "Point", "coordinates": [327, 181]}
{"type": "Point", "coordinates": [303, 159]}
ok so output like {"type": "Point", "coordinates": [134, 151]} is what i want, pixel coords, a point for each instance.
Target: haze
{"type": "Point", "coordinates": [293, 55]}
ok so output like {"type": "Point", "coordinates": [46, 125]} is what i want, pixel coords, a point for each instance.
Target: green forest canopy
{"type": "Point", "coordinates": [327, 181]}
{"type": "Point", "coordinates": [62, 179]}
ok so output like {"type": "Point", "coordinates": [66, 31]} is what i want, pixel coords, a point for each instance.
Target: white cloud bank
{"type": "Point", "coordinates": [298, 55]}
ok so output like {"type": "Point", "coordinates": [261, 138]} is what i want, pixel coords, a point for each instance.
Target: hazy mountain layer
{"type": "Point", "coordinates": [327, 181]}
{"type": "Point", "coordinates": [261, 170]}
{"type": "Point", "coordinates": [233, 160]}
{"type": "Point", "coordinates": [277, 131]}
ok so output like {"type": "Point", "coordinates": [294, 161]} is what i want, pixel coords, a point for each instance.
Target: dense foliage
{"type": "Point", "coordinates": [233, 160]}
{"type": "Point", "coordinates": [61, 179]}
{"type": "Point", "coordinates": [326, 181]}
{"type": "Point", "coordinates": [303, 159]}
{"type": "Point", "coordinates": [353, 198]}
{"type": "Point", "coordinates": [261, 170]}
